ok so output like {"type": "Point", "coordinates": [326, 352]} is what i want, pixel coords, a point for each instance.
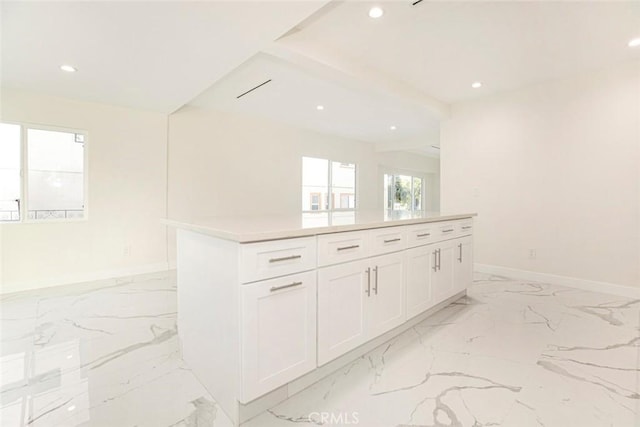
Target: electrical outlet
{"type": "Point", "coordinates": [126, 250]}
{"type": "Point", "coordinates": [532, 254]}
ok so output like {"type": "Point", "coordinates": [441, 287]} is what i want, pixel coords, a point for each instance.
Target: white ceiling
{"type": "Point", "coordinates": [148, 55]}
{"type": "Point", "coordinates": [293, 94]}
{"type": "Point", "coordinates": [440, 48]}
{"type": "Point", "coordinates": [403, 69]}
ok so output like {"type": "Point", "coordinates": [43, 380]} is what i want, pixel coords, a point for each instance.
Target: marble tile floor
{"type": "Point", "coordinates": [511, 353]}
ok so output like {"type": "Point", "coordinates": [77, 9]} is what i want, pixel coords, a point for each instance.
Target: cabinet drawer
{"type": "Point", "coordinates": [389, 239]}
{"type": "Point", "coordinates": [342, 247]}
{"type": "Point", "coordinates": [446, 230]}
{"type": "Point", "coordinates": [465, 227]}
{"type": "Point", "coordinates": [276, 258]}
{"type": "Point", "coordinates": [420, 234]}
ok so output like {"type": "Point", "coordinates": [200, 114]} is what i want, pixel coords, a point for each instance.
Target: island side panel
{"type": "Point", "coordinates": [208, 325]}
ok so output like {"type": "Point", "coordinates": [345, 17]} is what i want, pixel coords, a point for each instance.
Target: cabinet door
{"type": "Point", "coordinates": [420, 262]}
{"type": "Point", "coordinates": [278, 332]}
{"type": "Point", "coordinates": [342, 295]}
{"type": "Point", "coordinates": [463, 264]}
{"type": "Point", "coordinates": [442, 277]}
{"type": "Point", "coordinates": [387, 303]}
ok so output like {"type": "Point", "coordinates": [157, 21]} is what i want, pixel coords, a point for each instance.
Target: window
{"type": "Point", "coordinates": [403, 192]}
{"type": "Point", "coordinates": [347, 201]}
{"type": "Point", "coordinates": [9, 172]}
{"type": "Point", "coordinates": [315, 201]}
{"type": "Point", "coordinates": [328, 185]}
{"type": "Point", "coordinates": [53, 186]}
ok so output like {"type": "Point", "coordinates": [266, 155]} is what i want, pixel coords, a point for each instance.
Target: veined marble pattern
{"type": "Point", "coordinates": [98, 354]}
{"type": "Point", "coordinates": [509, 354]}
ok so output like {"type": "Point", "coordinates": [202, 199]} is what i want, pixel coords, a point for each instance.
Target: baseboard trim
{"type": "Point", "coordinates": [571, 282]}
{"type": "Point", "coordinates": [8, 288]}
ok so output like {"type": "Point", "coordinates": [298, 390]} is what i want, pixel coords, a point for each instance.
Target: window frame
{"type": "Point", "coordinates": [24, 173]}
{"type": "Point", "coordinates": [330, 197]}
{"type": "Point", "coordinates": [412, 174]}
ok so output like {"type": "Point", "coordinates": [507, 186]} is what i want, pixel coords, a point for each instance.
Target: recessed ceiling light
{"type": "Point", "coordinates": [320, 107]}
{"type": "Point", "coordinates": [476, 85]}
{"type": "Point", "coordinates": [634, 42]}
{"type": "Point", "coordinates": [68, 68]}
{"type": "Point", "coordinates": [71, 408]}
{"type": "Point", "coordinates": [376, 12]}
{"type": "Point", "coordinates": [392, 127]}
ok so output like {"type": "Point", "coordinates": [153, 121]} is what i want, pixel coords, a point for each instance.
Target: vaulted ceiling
{"type": "Point", "coordinates": [388, 80]}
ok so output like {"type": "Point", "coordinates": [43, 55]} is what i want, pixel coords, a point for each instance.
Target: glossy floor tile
{"type": "Point", "coordinates": [509, 354]}
{"type": "Point", "coordinates": [98, 354]}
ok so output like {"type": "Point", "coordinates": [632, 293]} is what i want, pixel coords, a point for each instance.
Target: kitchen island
{"type": "Point", "coordinates": [269, 305]}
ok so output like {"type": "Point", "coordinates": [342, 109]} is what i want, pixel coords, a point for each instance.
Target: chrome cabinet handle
{"type": "Point", "coordinates": [448, 231]}
{"type": "Point", "coordinates": [375, 286]}
{"type": "Point", "coordinates": [291, 285]}
{"type": "Point", "coordinates": [344, 248]}
{"type": "Point", "coordinates": [424, 235]}
{"type": "Point", "coordinates": [460, 246]}
{"type": "Point", "coordinates": [286, 258]}
{"type": "Point", "coordinates": [393, 240]}
{"type": "Point", "coordinates": [439, 259]}
{"type": "Point", "coordinates": [368, 291]}
{"type": "Point", "coordinates": [435, 260]}
{"type": "Point", "coordinates": [466, 227]}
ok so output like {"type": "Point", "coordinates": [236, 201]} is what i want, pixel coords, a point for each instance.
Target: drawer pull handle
{"type": "Point", "coordinates": [448, 230]}
{"type": "Point", "coordinates": [291, 285]}
{"type": "Point", "coordinates": [368, 291]}
{"type": "Point", "coordinates": [424, 235]}
{"type": "Point", "coordinates": [375, 286]}
{"type": "Point", "coordinates": [393, 240]}
{"type": "Point", "coordinates": [344, 248]}
{"type": "Point", "coordinates": [286, 258]}
{"type": "Point", "coordinates": [466, 227]}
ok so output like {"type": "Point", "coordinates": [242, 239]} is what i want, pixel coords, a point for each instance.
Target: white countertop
{"type": "Point", "coordinates": [245, 229]}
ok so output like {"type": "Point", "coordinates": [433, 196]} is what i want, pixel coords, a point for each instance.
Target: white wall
{"type": "Point", "coordinates": [127, 198]}
{"type": "Point", "coordinates": [223, 164]}
{"type": "Point", "coordinates": [555, 168]}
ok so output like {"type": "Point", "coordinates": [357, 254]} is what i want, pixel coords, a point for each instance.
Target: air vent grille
{"type": "Point", "coordinates": [252, 89]}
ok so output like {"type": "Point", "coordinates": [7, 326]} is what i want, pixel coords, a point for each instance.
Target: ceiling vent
{"type": "Point", "coordinates": [252, 89]}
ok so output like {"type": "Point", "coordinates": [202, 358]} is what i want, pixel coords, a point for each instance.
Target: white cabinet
{"type": "Point", "coordinates": [387, 240]}
{"type": "Point", "coordinates": [264, 260]}
{"type": "Point", "coordinates": [342, 247]}
{"type": "Point", "coordinates": [438, 271]}
{"type": "Point", "coordinates": [421, 234]}
{"type": "Point", "coordinates": [278, 332]}
{"type": "Point", "coordinates": [255, 316]}
{"type": "Point", "coordinates": [442, 273]}
{"type": "Point", "coordinates": [387, 304]}
{"type": "Point", "coordinates": [358, 301]}
{"type": "Point", "coordinates": [343, 291]}
{"type": "Point", "coordinates": [420, 264]}
{"type": "Point", "coordinates": [463, 264]}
